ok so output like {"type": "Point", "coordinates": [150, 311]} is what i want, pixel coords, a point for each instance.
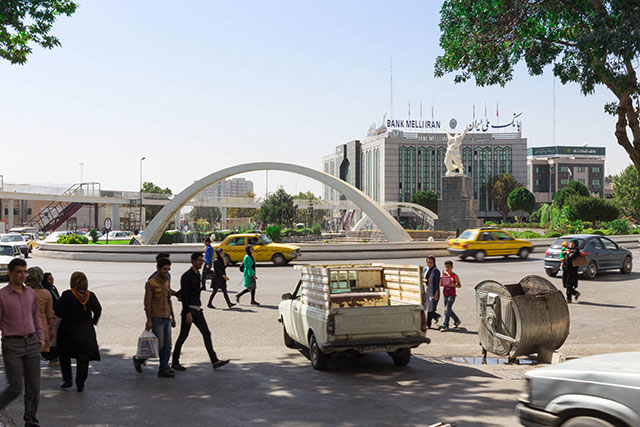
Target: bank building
{"type": "Point", "coordinates": [403, 157]}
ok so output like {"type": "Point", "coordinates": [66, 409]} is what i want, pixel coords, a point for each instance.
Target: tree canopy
{"type": "Point", "coordinates": [278, 208]}
{"type": "Point", "coordinates": [589, 42]}
{"type": "Point", "coordinates": [574, 188]}
{"type": "Point", "coordinates": [521, 199]}
{"type": "Point", "coordinates": [428, 199]}
{"type": "Point", "coordinates": [150, 187]}
{"type": "Point", "coordinates": [210, 214]}
{"type": "Point", "coordinates": [626, 192]}
{"type": "Point", "coordinates": [499, 189]}
{"type": "Point", "coordinates": [27, 22]}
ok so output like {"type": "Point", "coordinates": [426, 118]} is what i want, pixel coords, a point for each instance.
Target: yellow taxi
{"type": "Point", "coordinates": [30, 238]}
{"type": "Point", "coordinates": [488, 241]}
{"type": "Point", "coordinates": [265, 249]}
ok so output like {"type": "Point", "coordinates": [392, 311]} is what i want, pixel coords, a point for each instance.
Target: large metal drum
{"type": "Point", "coordinates": [520, 319]}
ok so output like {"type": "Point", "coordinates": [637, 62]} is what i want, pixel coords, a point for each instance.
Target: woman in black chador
{"type": "Point", "coordinates": [220, 278]}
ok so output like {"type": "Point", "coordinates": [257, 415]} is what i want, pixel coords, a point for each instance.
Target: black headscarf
{"type": "Point", "coordinates": [219, 256]}
{"type": "Point", "coordinates": [248, 251]}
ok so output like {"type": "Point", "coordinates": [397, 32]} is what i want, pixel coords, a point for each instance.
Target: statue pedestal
{"type": "Point", "coordinates": [457, 209]}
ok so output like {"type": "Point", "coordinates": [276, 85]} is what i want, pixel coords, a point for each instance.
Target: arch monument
{"type": "Point", "coordinates": [433, 217]}
{"type": "Point", "coordinates": [392, 230]}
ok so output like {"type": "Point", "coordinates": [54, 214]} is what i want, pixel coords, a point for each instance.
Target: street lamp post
{"type": "Point", "coordinates": [81, 175]}
{"type": "Point", "coordinates": [141, 159]}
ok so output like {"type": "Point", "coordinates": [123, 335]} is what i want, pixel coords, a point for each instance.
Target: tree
{"type": "Point", "coordinates": [210, 214]}
{"type": "Point", "coordinates": [29, 21]}
{"type": "Point", "coordinates": [521, 199]}
{"type": "Point", "coordinates": [499, 189]}
{"type": "Point", "coordinates": [151, 188]}
{"type": "Point", "coordinates": [626, 192]}
{"type": "Point", "coordinates": [589, 208]}
{"type": "Point", "coordinates": [588, 42]}
{"type": "Point", "coordinates": [428, 199]}
{"type": "Point", "coordinates": [278, 208]}
{"type": "Point", "coordinates": [243, 212]}
{"type": "Point", "coordinates": [574, 188]}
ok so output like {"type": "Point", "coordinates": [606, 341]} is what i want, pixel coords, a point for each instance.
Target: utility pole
{"type": "Point", "coordinates": [141, 159]}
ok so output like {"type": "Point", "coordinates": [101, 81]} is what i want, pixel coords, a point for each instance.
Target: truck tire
{"type": "Point", "coordinates": [401, 357]}
{"type": "Point", "coordinates": [288, 341]}
{"type": "Point", "coordinates": [319, 359]}
{"type": "Point", "coordinates": [278, 259]}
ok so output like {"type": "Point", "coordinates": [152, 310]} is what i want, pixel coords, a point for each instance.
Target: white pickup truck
{"type": "Point", "coordinates": [359, 308]}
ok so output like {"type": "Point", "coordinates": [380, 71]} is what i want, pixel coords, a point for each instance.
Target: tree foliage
{"type": "Point", "coordinates": [428, 199]}
{"type": "Point", "coordinates": [626, 192]}
{"type": "Point", "coordinates": [151, 188]}
{"type": "Point", "coordinates": [278, 208]}
{"type": "Point", "coordinates": [574, 188]}
{"type": "Point", "coordinates": [588, 42]}
{"type": "Point", "coordinates": [499, 188]}
{"type": "Point", "coordinates": [210, 214]}
{"type": "Point", "coordinates": [589, 208]}
{"type": "Point", "coordinates": [26, 22]}
{"type": "Point", "coordinates": [521, 199]}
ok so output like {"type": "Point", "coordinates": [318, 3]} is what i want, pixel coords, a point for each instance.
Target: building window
{"type": "Point", "coordinates": [368, 192]}
{"type": "Point", "coordinates": [581, 169]}
{"type": "Point", "coordinates": [441, 169]}
{"type": "Point", "coordinates": [595, 169]}
{"type": "Point", "coordinates": [537, 169]}
{"type": "Point", "coordinates": [581, 181]}
{"type": "Point", "coordinates": [564, 169]}
{"type": "Point", "coordinates": [595, 183]}
{"type": "Point", "coordinates": [564, 181]}
{"type": "Point", "coordinates": [376, 166]}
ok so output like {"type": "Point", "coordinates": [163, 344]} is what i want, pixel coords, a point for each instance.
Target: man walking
{"type": "Point", "coordinates": [22, 339]}
{"type": "Point", "coordinates": [208, 262]}
{"type": "Point", "coordinates": [160, 318]}
{"type": "Point", "coordinates": [192, 313]}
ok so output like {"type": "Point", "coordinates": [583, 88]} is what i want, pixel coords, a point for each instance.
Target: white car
{"type": "Point", "coordinates": [53, 237]}
{"type": "Point", "coordinates": [18, 240]}
{"type": "Point", "coordinates": [117, 235]}
{"type": "Point", "coordinates": [7, 253]}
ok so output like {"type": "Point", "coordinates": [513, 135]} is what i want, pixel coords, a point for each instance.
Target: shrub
{"type": "Point", "coordinates": [552, 234]}
{"type": "Point", "coordinates": [619, 226]}
{"type": "Point", "coordinates": [490, 224]}
{"type": "Point", "coordinates": [74, 239]}
{"type": "Point", "coordinates": [316, 229]}
{"type": "Point", "coordinates": [171, 237]}
{"type": "Point", "coordinates": [94, 235]}
{"type": "Point", "coordinates": [598, 232]}
{"type": "Point", "coordinates": [274, 232]}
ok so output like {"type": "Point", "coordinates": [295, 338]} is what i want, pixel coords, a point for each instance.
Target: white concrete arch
{"type": "Point", "coordinates": [394, 205]}
{"type": "Point", "coordinates": [385, 222]}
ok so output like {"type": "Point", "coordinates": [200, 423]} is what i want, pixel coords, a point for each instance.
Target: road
{"type": "Point", "coordinates": [268, 384]}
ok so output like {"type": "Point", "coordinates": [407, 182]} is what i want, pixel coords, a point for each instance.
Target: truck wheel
{"type": "Point", "coordinates": [551, 272]}
{"type": "Point", "coordinates": [288, 341]}
{"type": "Point", "coordinates": [627, 266]}
{"type": "Point", "coordinates": [318, 358]}
{"type": "Point", "coordinates": [279, 259]}
{"type": "Point", "coordinates": [586, 421]}
{"type": "Point", "coordinates": [401, 357]}
{"type": "Point", "coordinates": [480, 255]}
{"type": "Point", "coordinates": [591, 271]}
{"type": "Point", "coordinates": [523, 253]}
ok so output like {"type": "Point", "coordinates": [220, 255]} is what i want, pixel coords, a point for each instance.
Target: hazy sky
{"type": "Point", "coordinates": [196, 86]}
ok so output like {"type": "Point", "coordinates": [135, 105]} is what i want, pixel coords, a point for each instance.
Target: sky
{"type": "Point", "coordinates": [197, 86]}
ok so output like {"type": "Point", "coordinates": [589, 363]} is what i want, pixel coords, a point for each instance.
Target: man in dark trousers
{"type": "Point", "coordinates": [208, 262]}
{"type": "Point", "coordinates": [192, 313]}
{"type": "Point", "coordinates": [22, 339]}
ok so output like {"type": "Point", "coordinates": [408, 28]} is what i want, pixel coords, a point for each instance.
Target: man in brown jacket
{"type": "Point", "coordinates": [160, 318]}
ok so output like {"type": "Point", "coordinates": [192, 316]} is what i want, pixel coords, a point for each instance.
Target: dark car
{"type": "Point", "coordinates": [601, 252]}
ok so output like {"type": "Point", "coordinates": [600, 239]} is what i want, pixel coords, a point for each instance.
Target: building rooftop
{"type": "Point", "coordinates": [566, 150]}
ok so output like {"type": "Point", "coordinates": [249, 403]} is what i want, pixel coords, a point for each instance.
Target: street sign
{"type": "Point", "coordinates": [107, 223]}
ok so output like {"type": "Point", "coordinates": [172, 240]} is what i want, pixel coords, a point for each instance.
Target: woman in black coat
{"type": "Point", "coordinates": [79, 310]}
{"type": "Point", "coordinates": [571, 270]}
{"type": "Point", "coordinates": [220, 278]}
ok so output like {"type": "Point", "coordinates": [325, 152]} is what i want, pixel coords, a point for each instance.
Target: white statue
{"type": "Point", "coordinates": [453, 158]}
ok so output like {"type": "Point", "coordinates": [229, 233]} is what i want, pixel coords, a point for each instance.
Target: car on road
{"type": "Point", "coordinates": [7, 253]}
{"type": "Point", "coordinates": [601, 252]}
{"type": "Point", "coordinates": [16, 239]}
{"type": "Point", "coordinates": [265, 249]}
{"type": "Point", "coordinates": [355, 309]}
{"type": "Point", "coordinates": [601, 390]}
{"type": "Point", "coordinates": [31, 239]}
{"type": "Point", "coordinates": [53, 237]}
{"type": "Point", "coordinates": [488, 241]}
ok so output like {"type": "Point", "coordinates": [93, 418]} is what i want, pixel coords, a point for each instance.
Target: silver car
{"type": "Point", "coordinates": [18, 240]}
{"type": "Point", "coordinates": [599, 391]}
{"type": "Point", "coordinates": [601, 252]}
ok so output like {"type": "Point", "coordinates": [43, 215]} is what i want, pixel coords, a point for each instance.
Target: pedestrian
{"type": "Point", "coordinates": [160, 318]}
{"type": "Point", "coordinates": [45, 307]}
{"type": "Point", "coordinates": [48, 283]}
{"type": "Point", "coordinates": [192, 313]}
{"type": "Point", "coordinates": [80, 311]}
{"type": "Point", "coordinates": [449, 281]}
{"type": "Point", "coordinates": [158, 258]}
{"type": "Point", "coordinates": [249, 275]}
{"type": "Point", "coordinates": [431, 281]}
{"type": "Point", "coordinates": [571, 269]}
{"type": "Point", "coordinates": [208, 262]}
{"type": "Point", "coordinates": [22, 340]}
{"type": "Point", "coordinates": [220, 278]}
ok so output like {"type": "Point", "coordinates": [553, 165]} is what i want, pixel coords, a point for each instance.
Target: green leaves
{"type": "Point", "coordinates": [278, 208]}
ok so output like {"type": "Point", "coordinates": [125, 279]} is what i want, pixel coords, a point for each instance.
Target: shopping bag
{"type": "Point", "coordinates": [147, 345]}
{"type": "Point", "coordinates": [580, 260]}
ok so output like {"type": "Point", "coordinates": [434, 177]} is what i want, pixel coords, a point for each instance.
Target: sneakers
{"type": "Point", "coordinates": [220, 363]}
{"type": "Point", "coordinates": [456, 324]}
{"type": "Point", "coordinates": [137, 364]}
{"type": "Point", "coordinates": [178, 367]}
{"type": "Point", "coordinates": [444, 329]}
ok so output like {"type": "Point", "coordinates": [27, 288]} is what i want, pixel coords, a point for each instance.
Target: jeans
{"type": "Point", "coordinates": [201, 324]}
{"type": "Point", "coordinates": [161, 328]}
{"type": "Point", "coordinates": [22, 359]}
{"type": "Point", "coordinates": [448, 310]}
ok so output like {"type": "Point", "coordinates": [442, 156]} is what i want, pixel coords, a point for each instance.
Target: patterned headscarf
{"type": "Point", "coordinates": [80, 287]}
{"type": "Point", "coordinates": [34, 277]}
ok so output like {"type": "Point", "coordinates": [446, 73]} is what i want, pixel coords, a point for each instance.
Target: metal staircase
{"type": "Point", "coordinates": [56, 213]}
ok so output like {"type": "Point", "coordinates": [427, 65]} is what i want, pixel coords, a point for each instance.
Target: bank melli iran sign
{"type": "Point", "coordinates": [414, 124]}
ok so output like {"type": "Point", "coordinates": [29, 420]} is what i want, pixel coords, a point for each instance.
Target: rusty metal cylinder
{"type": "Point", "coordinates": [522, 318]}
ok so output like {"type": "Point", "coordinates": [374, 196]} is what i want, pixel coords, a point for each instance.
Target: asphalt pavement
{"type": "Point", "coordinates": [269, 384]}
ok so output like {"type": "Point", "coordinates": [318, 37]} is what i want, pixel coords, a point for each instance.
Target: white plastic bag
{"type": "Point", "coordinates": [147, 345]}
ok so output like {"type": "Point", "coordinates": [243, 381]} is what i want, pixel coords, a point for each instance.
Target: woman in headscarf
{"type": "Point", "coordinates": [249, 271]}
{"type": "Point", "coordinates": [220, 279]}
{"type": "Point", "coordinates": [571, 270]}
{"type": "Point", "coordinates": [48, 284]}
{"type": "Point", "coordinates": [45, 306]}
{"type": "Point", "coordinates": [80, 310]}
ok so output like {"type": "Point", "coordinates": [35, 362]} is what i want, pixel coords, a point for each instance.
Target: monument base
{"type": "Point", "coordinates": [457, 209]}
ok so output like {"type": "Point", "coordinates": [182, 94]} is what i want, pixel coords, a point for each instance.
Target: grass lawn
{"type": "Point", "coordinates": [111, 242]}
